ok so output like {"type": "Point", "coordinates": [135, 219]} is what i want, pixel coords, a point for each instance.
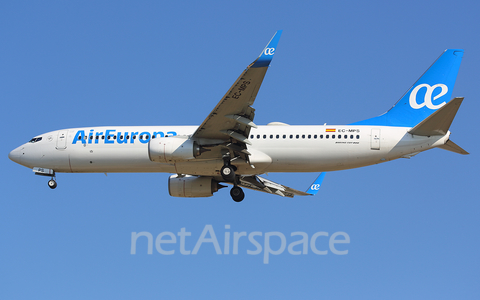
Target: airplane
{"type": "Point", "coordinates": [228, 147]}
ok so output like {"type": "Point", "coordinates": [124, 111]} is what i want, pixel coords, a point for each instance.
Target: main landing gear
{"type": "Point", "coordinates": [237, 194]}
{"type": "Point", "coordinates": [228, 174]}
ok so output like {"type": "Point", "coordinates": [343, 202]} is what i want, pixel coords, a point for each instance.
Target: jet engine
{"type": "Point", "coordinates": [192, 186]}
{"type": "Point", "coordinates": [170, 149]}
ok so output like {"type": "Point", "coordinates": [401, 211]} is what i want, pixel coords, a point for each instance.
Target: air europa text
{"type": "Point", "coordinates": [111, 136]}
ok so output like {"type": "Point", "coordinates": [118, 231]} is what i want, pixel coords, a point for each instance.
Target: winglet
{"type": "Point", "coordinates": [267, 54]}
{"type": "Point", "coordinates": [315, 187]}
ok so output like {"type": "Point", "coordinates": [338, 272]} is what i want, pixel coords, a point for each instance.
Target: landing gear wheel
{"type": "Point", "coordinates": [52, 184]}
{"type": "Point", "coordinates": [228, 174]}
{"type": "Point", "coordinates": [237, 194]}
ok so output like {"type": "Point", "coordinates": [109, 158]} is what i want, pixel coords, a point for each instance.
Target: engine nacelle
{"type": "Point", "coordinates": [170, 149]}
{"type": "Point", "coordinates": [192, 186]}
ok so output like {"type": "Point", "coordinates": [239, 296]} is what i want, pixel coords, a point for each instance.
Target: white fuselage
{"type": "Point", "coordinates": [275, 148]}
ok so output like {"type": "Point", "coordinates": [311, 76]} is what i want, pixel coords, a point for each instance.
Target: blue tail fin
{"type": "Point", "coordinates": [429, 93]}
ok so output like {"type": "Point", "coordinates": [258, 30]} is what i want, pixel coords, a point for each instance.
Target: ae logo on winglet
{"type": "Point", "coordinates": [269, 51]}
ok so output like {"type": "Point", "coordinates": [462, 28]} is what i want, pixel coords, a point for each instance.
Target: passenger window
{"type": "Point", "coordinates": [321, 136]}
{"type": "Point", "coordinates": [339, 136]}
{"type": "Point", "coordinates": [333, 136]}
{"type": "Point", "coordinates": [277, 136]}
{"type": "Point", "coordinates": [258, 136]}
{"type": "Point", "coordinates": [284, 136]}
{"type": "Point", "coordinates": [291, 136]}
{"type": "Point", "coordinates": [303, 136]}
{"type": "Point", "coordinates": [271, 136]}
{"type": "Point", "coordinates": [251, 136]}
{"type": "Point", "coordinates": [358, 136]}
{"type": "Point", "coordinates": [264, 136]}
{"type": "Point", "coordinates": [297, 136]}
{"type": "Point", "coordinates": [327, 136]}
{"type": "Point", "coordinates": [309, 136]}
{"type": "Point", "coordinates": [351, 136]}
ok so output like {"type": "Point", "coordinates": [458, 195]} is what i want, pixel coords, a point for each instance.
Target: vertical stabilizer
{"type": "Point", "coordinates": [432, 91]}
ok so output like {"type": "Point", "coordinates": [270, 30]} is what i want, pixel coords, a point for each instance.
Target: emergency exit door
{"type": "Point", "coordinates": [375, 139]}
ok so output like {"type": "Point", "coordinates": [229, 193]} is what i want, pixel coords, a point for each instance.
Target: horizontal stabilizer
{"type": "Point", "coordinates": [451, 146]}
{"type": "Point", "coordinates": [439, 122]}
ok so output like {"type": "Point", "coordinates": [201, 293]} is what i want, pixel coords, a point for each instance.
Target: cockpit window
{"type": "Point", "coordinates": [36, 139]}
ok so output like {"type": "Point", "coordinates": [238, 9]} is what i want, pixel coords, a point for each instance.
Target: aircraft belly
{"type": "Point", "coordinates": [199, 167]}
{"type": "Point", "coordinates": [409, 144]}
{"type": "Point", "coordinates": [326, 157]}
{"type": "Point", "coordinates": [308, 159]}
{"type": "Point", "coordinates": [108, 159]}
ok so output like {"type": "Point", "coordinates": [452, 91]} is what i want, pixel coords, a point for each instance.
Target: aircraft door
{"type": "Point", "coordinates": [375, 139]}
{"type": "Point", "coordinates": [62, 140]}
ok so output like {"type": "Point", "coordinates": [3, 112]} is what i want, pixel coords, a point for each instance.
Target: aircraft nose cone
{"type": "Point", "coordinates": [15, 154]}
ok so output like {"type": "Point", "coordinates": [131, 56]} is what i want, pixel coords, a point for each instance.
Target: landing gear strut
{"type": "Point", "coordinates": [228, 174]}
{"type": "Point", "coordinates": [228, 171]}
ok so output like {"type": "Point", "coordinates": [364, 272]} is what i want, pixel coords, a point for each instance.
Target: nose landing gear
{"type": "Point", "coordinates": [46, 172]}
{"type": "Point", "coordinates": [52, 183]}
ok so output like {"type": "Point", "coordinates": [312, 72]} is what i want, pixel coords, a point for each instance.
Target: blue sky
{"type": "Point", "coordinates": [413, 224]}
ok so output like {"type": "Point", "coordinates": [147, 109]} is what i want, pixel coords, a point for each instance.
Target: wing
{"type": "Point", "coordinates": [258, 183]}
{"type": "Point", "coordinates": [232, 118]}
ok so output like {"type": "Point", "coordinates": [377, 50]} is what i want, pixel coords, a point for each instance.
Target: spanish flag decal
{"type": "Point", "coordinates": [330, 130]}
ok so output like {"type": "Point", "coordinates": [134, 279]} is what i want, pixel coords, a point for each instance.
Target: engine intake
{"type": "Point", "coordinates": [170, 149]}
{"type": "Point", "coordinates": [192, 186]}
